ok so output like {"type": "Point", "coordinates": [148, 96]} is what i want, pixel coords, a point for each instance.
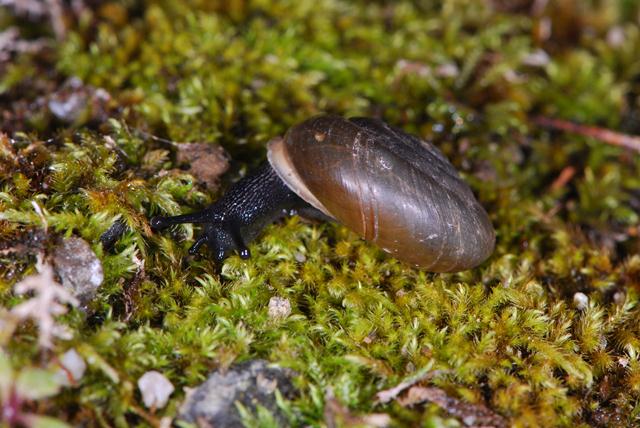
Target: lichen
{"type": "Point", "coordinates": [467, 75]}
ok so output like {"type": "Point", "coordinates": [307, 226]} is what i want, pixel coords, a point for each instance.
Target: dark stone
{"type": "Point", "coordinates": [251, 383]}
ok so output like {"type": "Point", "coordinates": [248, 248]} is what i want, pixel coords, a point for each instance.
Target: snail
{"type": "Point", "coordinates": [391, 188]}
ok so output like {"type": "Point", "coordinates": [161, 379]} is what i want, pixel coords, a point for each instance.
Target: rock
{"type": "Point", "coordinates": [72, 368]}
{"type": "Point", "coordinates": [77, 104]}
{"type": "Point", "coordinates": [279, 308]}
{"type": "Point", "coordinates": [155, 389]}
{"type": "Point", "coordinates": [580, 301]}
{"type": "Point", "coordinates": [537, 58]}
{"type": "Point", "coordinates": [251, 383]}
{"type": "Point", "coordinates": [79, 269]}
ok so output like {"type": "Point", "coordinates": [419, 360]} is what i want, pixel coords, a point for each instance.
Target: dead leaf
{"type": "Point", "coordinates": [471, 415]}
{"type": "Point", "coordinates": [337, 415]}
{"type": "Point", "coordinates": [207, 162]}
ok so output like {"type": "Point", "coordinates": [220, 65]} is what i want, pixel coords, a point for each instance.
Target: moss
{"type": "Point", "coordinates": [460, 72]}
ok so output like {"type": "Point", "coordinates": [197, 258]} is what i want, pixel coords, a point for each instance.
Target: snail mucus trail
{"type": "Point", "coordinates": [390, 187]}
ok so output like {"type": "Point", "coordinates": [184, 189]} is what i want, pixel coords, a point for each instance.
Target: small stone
{"type": "Point", "coordinates": [79, 269]}
{"type": "Point", "coordinates": [619, 297]}
{"type": "Point", "coordinates": [72, 368]}
{"type": "Point", "coordinates": [447, 70]}
{"type": "Point", "coordinates": [370, 338]}
{"type": "Point", "coordinates": [155, 389]}
{"type": "Point", "coordinates": [616, 37]}
{"type": "Point", "coordinates": [602, 342]}
{"type": "Point", "coordinates": [300, 257]}
{"type": "Point", "coordinates": [68, 108]}
{"type": "Point", "coordinates": [251, 383]}
{"type": "Point", "coordinates": [580, 300]}
{"type": "Point", "coordinates": [538, 58]}
{"type": "Point", "coordinates": [469, 420]}
{"type": "Point", "coordinates": [76, 103]}
{"type": "Point", "coordinates": [413, 67]}
{"type": "Point", "coordinates": [279, 308]}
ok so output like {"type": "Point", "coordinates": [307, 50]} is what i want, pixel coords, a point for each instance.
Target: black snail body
{"type": "Point", "coordinates": [391, 188]}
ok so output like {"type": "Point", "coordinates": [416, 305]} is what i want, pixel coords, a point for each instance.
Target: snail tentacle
{"type": "Point", "coordinates": [160, 222]}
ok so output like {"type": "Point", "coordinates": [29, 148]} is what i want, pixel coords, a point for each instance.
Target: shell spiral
{"type": "Point", "coordinates": [392, 188]}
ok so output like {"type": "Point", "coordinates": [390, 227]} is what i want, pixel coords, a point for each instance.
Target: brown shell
{"type": "Point", "coordinates": [392, 188]}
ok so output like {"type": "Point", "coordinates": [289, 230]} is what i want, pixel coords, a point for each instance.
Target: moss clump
{"type": "Point", "coordinates": [467, 75]}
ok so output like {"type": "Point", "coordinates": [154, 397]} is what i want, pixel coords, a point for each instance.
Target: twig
{"type": "Point", "coordinates": [565, 176]}
{"type": "Point", "coordinates": [607, 136]}
{"type": "Point", "coordinates": [471, 415]}
{"type": "Point", "coordinates": [425, 373]}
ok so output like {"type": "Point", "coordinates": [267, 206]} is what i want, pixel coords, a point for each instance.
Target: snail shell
{"type": "Point", "coordinates": [391, 188]}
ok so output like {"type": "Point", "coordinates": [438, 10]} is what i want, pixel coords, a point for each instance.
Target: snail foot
{"type": "Point", "coordinates": [222, 239]}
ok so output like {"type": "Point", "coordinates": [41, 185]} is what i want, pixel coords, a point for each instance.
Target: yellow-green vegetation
{"type": "Point", "coordinates": [468, 75]}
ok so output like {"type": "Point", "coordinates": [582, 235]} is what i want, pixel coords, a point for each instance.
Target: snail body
{"type": "Point", "coordinates": [391, 188]}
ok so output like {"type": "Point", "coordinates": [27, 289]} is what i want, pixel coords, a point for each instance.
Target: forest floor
{"type": "Point", "coordinates": [98, 100]}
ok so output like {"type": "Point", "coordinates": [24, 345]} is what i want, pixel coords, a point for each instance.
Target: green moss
{"type": "Point", "coordinates": [506, 334]}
